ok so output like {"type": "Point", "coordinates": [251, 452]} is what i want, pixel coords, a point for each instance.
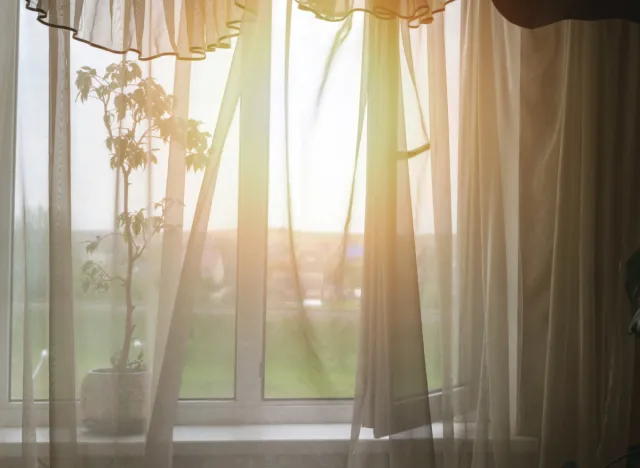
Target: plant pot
{"type": "Point", "coordinates": [115, 403]}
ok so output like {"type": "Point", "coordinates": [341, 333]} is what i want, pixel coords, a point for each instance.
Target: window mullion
{"type": "Point", "coordinates": [253, 198]}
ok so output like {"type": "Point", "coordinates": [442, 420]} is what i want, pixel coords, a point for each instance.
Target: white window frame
{"type": "Point", "coordinates": [9, 27]}
{"type": "Point", "coordinates": [248, 406]}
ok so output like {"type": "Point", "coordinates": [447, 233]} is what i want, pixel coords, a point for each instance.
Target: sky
{"type": "Point", "coordinates": [322, 138]}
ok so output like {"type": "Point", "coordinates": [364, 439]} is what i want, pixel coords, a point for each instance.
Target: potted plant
{"type": "Point", "coordinates": [136, 111]}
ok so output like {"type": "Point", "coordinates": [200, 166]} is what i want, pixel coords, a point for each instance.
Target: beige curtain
{"type": "Point", "coordinates": [467, 193]}
{"type": "Point", "coordinates": [546, 218]}
{"type": "Point", "coordinates": [579, 224]}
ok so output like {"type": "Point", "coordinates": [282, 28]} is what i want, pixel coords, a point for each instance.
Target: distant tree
{"type": "Point", "coordinates": [136, 111]}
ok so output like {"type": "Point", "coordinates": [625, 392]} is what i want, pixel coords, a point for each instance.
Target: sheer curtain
{"type": "Point", "coordinates": [135, 198]}
{"type": "Point", "coordinates": [343, 225]}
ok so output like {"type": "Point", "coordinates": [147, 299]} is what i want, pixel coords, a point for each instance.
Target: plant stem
{"type": "Point", "coordinates": [128, 328]}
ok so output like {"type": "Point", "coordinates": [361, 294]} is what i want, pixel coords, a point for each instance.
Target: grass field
{"type": "Point", "coordinates": [209, 371]}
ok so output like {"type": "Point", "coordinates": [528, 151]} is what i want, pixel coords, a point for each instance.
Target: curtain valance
{"type": "Point", "coordinates": [189, 29]}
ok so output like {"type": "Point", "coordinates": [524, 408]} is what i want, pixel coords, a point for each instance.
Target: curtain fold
{"type": "Point", "coordinates": [393, 373]}
{"type": "Point", "coordinates": [63, 450]}
{"type": "Point", "coordinates": [159, 439]}
{"type": "Point", "coordinates": [172, 241]}
{"type": "Point", "coordinates": [483, 275]}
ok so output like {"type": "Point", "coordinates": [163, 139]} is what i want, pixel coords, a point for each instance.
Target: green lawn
{"type": "Point", "coordinates": [291, 370]}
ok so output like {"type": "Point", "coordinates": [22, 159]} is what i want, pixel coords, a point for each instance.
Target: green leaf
{"type": "Point", "coordinates": [196, 161]}
{"type": "Point", "coordinates": [93, 277]}
{"type": "Point", "coordinates": [102, 91]}
{"type": "Point", "coordinates": [166, 128]}
{"type": "Point", "coordinates": [92, 246]}
{"type": "Point", "coordinates": [135, 70]}
{"type": "Point", "coordinates": [107, 119]}
{"type": "Point", "coordinates": [137, 223]}
{"type": "Point", "coordinates": [85, 266]}
{"type": "Point", "coordinates": [84, 82]}
{"type": "Point", "coordinates": [113, 162]}
{"type": "Point", "coordinates": [123, 73]}
{"type": "Point", "coordinates": [121, 103]}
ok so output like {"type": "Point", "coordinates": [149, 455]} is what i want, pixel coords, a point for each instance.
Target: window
{"type": "Point", "coordinates": [100, 315]}
{"type": "Point", "coordinates": [246, 361]}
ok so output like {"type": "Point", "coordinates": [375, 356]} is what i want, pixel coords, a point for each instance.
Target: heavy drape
{"type": "Point", "coordinates": [546, 12]}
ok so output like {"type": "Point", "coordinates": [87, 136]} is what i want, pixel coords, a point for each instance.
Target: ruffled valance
{"type": "Point", "coordinates": [152, 28]}
{"type": "Point", "coordinates": [416, 12]}
{"type": "Point", "coordinates": [189, 29]}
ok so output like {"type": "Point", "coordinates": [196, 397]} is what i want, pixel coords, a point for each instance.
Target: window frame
{"type": "Point", "coordinates": [9, 30]}
{"type": "Point", "coordinates": [248, 405]}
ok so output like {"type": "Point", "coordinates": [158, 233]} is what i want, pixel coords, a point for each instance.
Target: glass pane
{"type": "Point", "coordinates": [324, 177]}
{"type": "Point", "coordinates": [210, 368]}
{"type": "Point", "coordinates": [104, 260]}
{"type": "Point", "coordinates": [321, 168]}
{"type": "Point", "coordinates": [291, 371]}
{"type": "Point", "coordinates": [430, 308]}
{"type": "Point", "coordinates": [31, 224]}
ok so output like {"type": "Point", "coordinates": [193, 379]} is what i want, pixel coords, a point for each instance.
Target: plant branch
{"type": "Point", "coordinates": [100, 80]}
{"type": "Point", "coordinates": [126, 345]}
{"type": "Point", "coordinates": [145, 134]}
{"type": "Point", "coordinates": [128, 98]}
{"type": "Point", "coordinates": [140, 251]}
{"type": "Point", "coordinates": [115, 233]}
{"type": "Point", "coordinates": [90, 97]}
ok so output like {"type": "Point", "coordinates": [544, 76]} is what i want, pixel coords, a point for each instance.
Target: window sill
{"type": "Point", "coordinates": [267, 439]}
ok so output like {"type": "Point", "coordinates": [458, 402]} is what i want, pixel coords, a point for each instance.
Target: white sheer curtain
{"type": "Point", "coordinates": [399, 227]}
{"type": "Point", "coordinates": [256, 123]}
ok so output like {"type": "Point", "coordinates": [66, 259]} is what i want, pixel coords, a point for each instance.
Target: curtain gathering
{"type": "Point", "coordinates": [314, 232]}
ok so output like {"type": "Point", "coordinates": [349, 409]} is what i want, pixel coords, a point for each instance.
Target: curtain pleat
{"type": "Point", "coordinates": [392, 368]}
{"type": "Point", "coordinates": [159, 446]}
{"type": "Point", "coordinates": [482, 267]}
{"type": "Point", "coordinates": [63, 451]}
{"type": "Point", "coordinates": [173, 238]}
